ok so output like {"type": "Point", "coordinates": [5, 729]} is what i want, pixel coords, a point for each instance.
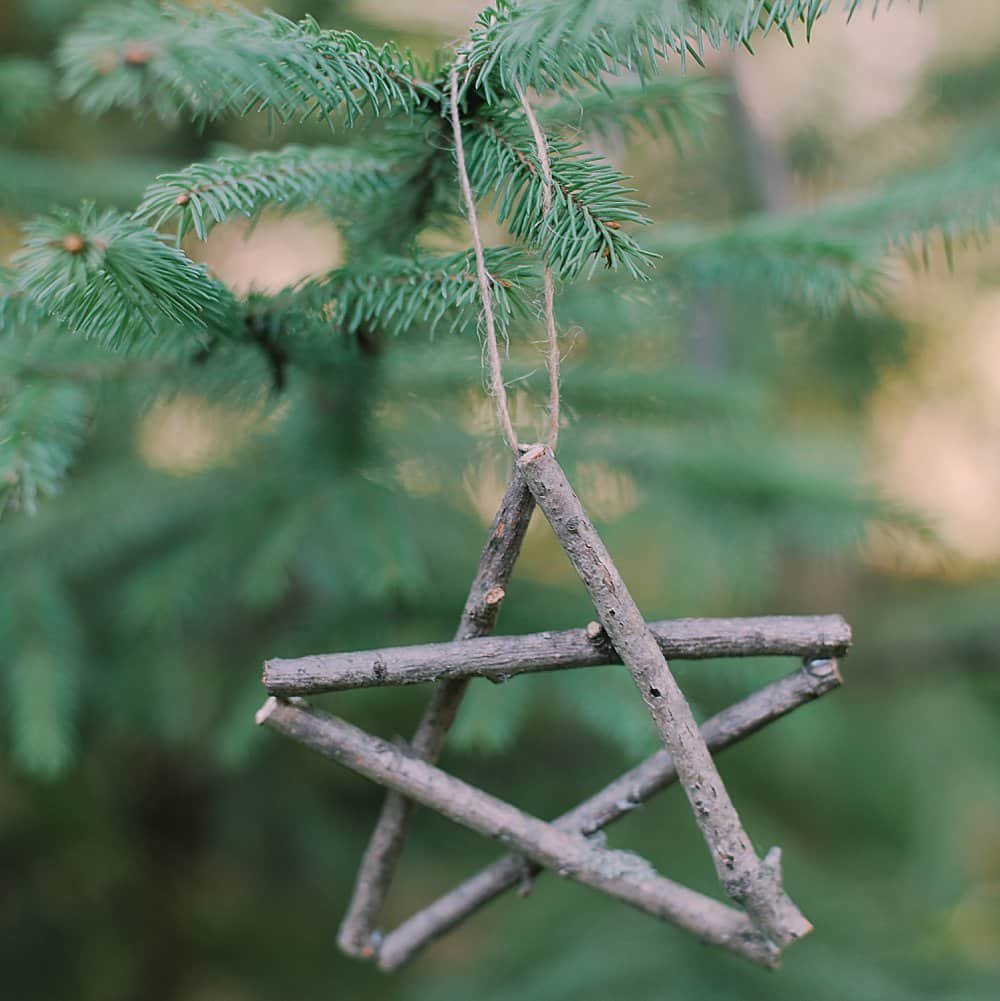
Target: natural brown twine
{"type": "Point", "coordinates": [497, 384]}
{"type": "Point", "coordinates": [552, 353]}
{"type": "Point", "coordinates": [485, 291]}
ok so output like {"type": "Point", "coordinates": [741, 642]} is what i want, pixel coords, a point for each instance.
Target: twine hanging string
{"type": "Point", "coordinates": [497, 385]}
{"type": "Point", "coordinates": [552, 334]}
{"type": "Point", "coordinates": [485, 290]}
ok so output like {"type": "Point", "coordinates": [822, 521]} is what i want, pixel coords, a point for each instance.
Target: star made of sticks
{"type": "Point", "coordinates": [764, 920]}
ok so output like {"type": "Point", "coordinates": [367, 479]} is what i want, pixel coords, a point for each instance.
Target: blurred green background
{"type": "Point", "coordinates": [745, 449]}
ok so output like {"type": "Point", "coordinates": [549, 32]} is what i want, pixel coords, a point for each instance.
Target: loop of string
{"type": "Point", "coordinates": [552, 334]}
{"type": "Point", "coordinates": [497, 385]}
{"type": "Point", "coordinates": [485, 291]}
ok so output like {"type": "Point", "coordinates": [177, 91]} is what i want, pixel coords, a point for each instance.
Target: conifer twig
{"type": "Point", "coordinates": [621, 875]}
{"type": "Point", "coordinates": [750, 881]}
{"type": "Point", "coordinates": [624, 794]}
{"type": "Point", "coordinates": [502, 657]}
{"type": "Point", "coordinates": [357, 935]}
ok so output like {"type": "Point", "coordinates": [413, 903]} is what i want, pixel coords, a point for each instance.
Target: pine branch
{"type": "Point", "coordinates": [41, 427]}
{"type": "Point", "coordinates": [559, 44]}
{"type": "Point", "coordinates": [794, 484]}
{"type": "Point", "coordinates": [681, 393]}
{"type": "Point", "coordinates": [33, 182]}
{"type": "Point", "coordinates": [772, 262]}
{"type": "Point", "coordinates": [836, 255]}
{"type": "Point", "coordinates": [25, 92]}
{"type": "Point", "coordinates": [18, 313]}
{"type": "Point", "coordinates": [107, 277]}
{"type": "Point", "coordinates": [958, 202]}
{"type": "Point", "coordinates": [672, 105]}
{"type": "Point", "coordinates": [400, 293]}
{"type": "Point", "coordinates": [590, 200]}
{"type": "Point", "coordinates": [204, 62]}
{"type": "Point", "coordinates": [198, 197]}
{"type": "Point", "coordinates": [41, 635]}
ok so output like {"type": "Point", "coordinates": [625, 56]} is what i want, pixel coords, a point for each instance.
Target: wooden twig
{"type": "Point", "coordinates": [619, 874]}
{"type": "Point", "coordinates": [755, 883]}
{"type": "Point", "coordinates": [357, 935]}
{"type": "Point", "coordinates": [501, 657]}
{"type": "Point", "coordinates": [614, 801]}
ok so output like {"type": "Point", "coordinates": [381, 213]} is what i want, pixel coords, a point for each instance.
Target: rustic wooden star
{"type": "Point", "coordinates": [765, 920]}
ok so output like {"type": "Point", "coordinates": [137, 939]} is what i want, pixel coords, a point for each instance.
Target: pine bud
{"type": "Point", "coordinates": [137, 54]}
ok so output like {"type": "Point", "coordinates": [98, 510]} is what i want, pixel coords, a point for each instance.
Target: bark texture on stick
{"type": "Point", "coordinates": [752, 882]}
{"type": "Point", "coordinates": [357, 935]}
{"type": "Point", "coordinates": [619, 874]}
{"type": "Point", "coordinates": [501, 657]}
{"type": "Point", "coordinates": [620, 797]}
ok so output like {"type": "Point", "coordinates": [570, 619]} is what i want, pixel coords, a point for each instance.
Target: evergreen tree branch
{"type": "Point", "coordinates": [683, 394]}
{"type": "Point", "coordinates": [205, 62]}
{"type": "Point", "coordinates": [18, 313]}
{"type": "Point", "coordinates": [26, 87]}
{"type": "Point", "coordinates": [41, 634]}
{"type": "Point", "coordinates": [401, 293]}
{"type": "Point", "coordinates": [590, 200]}
{"type": "Point", "coordinates": [32, 182]}
{"type": "Point", "coordinates": [113, 279]}
{"type": "Point", "coordinates": [836, 255]}
{"type": "Point", "coordinates": [198, 197]}
{"type": "Point", "coordinates": [957, 202]}
{"type": "Point", "coordinates": [772, 263]}
{"type": "Point", "coordinates": [671, 105]}
{"type": "Point", "coordinates": [42, 425]}
{"type": "Point", "coordinates": [559, 44]}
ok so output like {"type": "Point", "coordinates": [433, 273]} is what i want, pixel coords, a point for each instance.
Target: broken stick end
{"type": "Point", "coordinates": [824, 672]}
{"type": "Point", "coordinates": [262, 714]}
{"type": "Point", "coordinates": [532, 454]}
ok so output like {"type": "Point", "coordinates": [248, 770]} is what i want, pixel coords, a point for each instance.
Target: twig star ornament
{"type": "Point", "coordinates": [766, 921]}
{"type": "Point", "coordinates": [760, 919]}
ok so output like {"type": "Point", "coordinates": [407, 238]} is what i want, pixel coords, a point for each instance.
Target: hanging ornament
{"type": "Point", "coordinates": [760, 920]}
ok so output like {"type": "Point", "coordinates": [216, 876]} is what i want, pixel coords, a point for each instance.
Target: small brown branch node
{"type": "Point", "coordinates": [74, 243]}
{"type": "Point", "coordinates": [137, 53]}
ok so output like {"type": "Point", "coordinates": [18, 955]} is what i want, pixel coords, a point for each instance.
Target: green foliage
{"type": "Point", "coordinates": [676, 106]}
{"type": "Point", "coordinates": [774, 261]}
{"type": "Point", "coordinates": [203, 62]}
{"type": "Point", "coordinates": [555, 45]}
{"type": "Point", "coordinates": [196, 198]}
{"type": "Point", "coordinates": [32, 182]}
{"type": "Point", "coordinates": [835, 255]}
{"type": "Point", "coordinates": [310, 470]}
{"type": "Point", "coordinates": [41, 427]}
{"type": "Point", "coordinates": [958, 202]}
{"type": "Point", "coordinates": [107, 277]}
{"type": "Point", "coordinates": [590, 201]}
{"type": "Point", "coordinates": [27, 92]}
{"type": "Point", "coordinates": [425, 291]}
{"type": "Point", "coordinates": [18, 313]}
{"type": "Point", "coordinates": [41, 672]}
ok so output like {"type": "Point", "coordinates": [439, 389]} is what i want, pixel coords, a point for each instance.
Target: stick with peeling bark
{"type": "Point", "coordinates": [752, 882]}
{"type": "Point", "coordinates": [502, 657]}
{"type": "Point", "coordinates": [619, 874]}
{"type": "Point", "coordinates": [632, 789]}
{"type": "Point", "coordinates": [357, 935]}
